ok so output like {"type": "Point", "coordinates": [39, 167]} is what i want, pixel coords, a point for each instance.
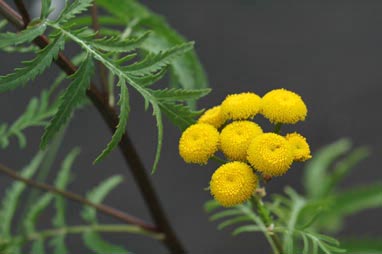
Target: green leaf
{"type": "Point", "coordinates": [357, 199]}
{"type": "Point", "coordinates": [70, 99]}
{"type": "Point", "coordinates": [121, 127]}
{"type": "Point", "coordinates": [3, 23]}
{"type": "Point", "coordinates": [115, 44]}
{"type": "Point", "coordinates": [35, 211]}
{"type": "Point", "coordinates": [149, 80]}
{"type": "Point", "coordinates": [12, 195]}
{"type": "Point", "coordinates": [317, 168]}
{"type": "Point", "coordinates": [233, 221]}
{"type": "Point", "coordinates": [211, 205]}
{"type": "Point", "coordinates": [45, 8]}
{"type": "Point", "coordinates": [153, 63]}
{"type": "Point", "coordinates": [61, 182]}
{"type": "Point", "coordinates": [158, 116]}
{"type": "Point", "coordinates": [121, 73]}
{"type": "Point", "coordinates": [180, 115]}
{"type": "Point", "coordinates": [186, 69]}
{"type": "Point", "coordinates": [95, 243]}
{"type": "Point", "coordinates": [32, 68]}
{"type": "Point", "coordinates": [27, 35]}
{"type": "Point", "coordinates": [246, 229]}
{"type": "Point", "coordinates": [73, 9]}
{"type": "Point", "coordinates": [38, 247]}
{"type": "Point", "coordinates": [343, 168]}
{"type": "Point", "coordinates": [176, 94]}
{"type": "Point", "coordinates": [98, 194]}
{"type": "Point", "coordinates": [37, 112]}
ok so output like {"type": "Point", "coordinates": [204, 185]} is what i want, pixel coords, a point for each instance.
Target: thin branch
{"type": "Point", "coordinates": [101, 66]}
{"type": "Point", "coordinates": [80, 229]}
{"type": "Point", "coordinates": [79, 199]}
{"type": "Point", "coordinates": [127, 148]}
{"type": "Point", "coordinates": [23, 11]}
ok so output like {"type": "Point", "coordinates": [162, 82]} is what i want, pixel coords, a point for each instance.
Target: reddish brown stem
{"type": "Point", "coordinates": [127, 218]}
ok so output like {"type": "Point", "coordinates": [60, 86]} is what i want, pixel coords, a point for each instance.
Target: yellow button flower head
{"type": "Point", "coordinates": [236, 137]}
{"type": "Point", "coordinates": [198, 143]}
{"type": "Point", "coordinates": [213, 116]}
{"type": "Point", "coordinates": [270, 154]}
{"type": "Point", "coordinates": [233, 183]}
{"type": "Point", "coordinates": [283, 106]}
{"type": "Point", "coordinates": [300, 148]}
{"type": "Point", "coordinates": [241, 106]}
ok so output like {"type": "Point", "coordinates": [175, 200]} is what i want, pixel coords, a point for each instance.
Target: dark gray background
{"type": "Point", "coordinates": [327, 51]}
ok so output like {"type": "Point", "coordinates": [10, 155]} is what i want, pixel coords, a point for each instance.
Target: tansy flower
{"type": "Point", "coordinates": [236, 137]}
{"type": "Point", "coordinates": [198, 143]}
{"type": "Point", "coordinates": [300, 148]}
{"type": "Point", "coordinates": [233, 183]}
{"type": "Point", "coordinates": [213, 116]}
{"type": "Point", "coordinates": [283, 106]}
{"type": "Point", "coordinates": [241, 106]}
{"type": "Point", "coordinates": [270, 154]}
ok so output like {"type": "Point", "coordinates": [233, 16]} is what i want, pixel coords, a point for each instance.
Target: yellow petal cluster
{"type": "Point", "coordinates": [241, 106]}
{"type": "Point", "coordinates": [248, 150]}
{"type": "Point", "coordinates": [300, 148]}
{"type": "Point", "coordinates": [283, 106]}
{"type": "Point", "coordinates": [213, 116]}
{"type": "Point", "coordinates": [198, 143]}
{"type": "Point", "coordinates": [236, 137]}
{"type": "Point", "coordinates": [270, 154]}
{"type": "Point", "coordinates": [233, 183]}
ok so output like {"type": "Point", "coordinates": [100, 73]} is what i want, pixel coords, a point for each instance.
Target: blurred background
{"type": "Point", "coordinates": [327, 51]}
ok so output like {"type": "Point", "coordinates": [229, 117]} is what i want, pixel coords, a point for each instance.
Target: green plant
{"type": "Point", "coordinates": [299, 223]}
{"type": "Point", "coordinates": [130, 47]}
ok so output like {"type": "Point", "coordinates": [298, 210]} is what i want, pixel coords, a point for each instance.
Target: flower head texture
{"type": "Point", "coordinates": [270, 154]}
{"type": "Point", "coordinates": [300, 148]}
{"type": "Point", "coordinates": [241, 106]}
{"type": "Point", "coordinates": [213, 116]}
{"type": "Point", "coordinates": [198, 143]}
{"type": "Point", "coordinates": [236, 137]}
{"type": "Point", "coordinates": [283, 106]}
{"type": "Point", "coordinates": [233, 183]}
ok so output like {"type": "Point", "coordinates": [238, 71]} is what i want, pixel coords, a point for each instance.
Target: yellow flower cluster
{"type": "Point", "coordinates": [229, 128]}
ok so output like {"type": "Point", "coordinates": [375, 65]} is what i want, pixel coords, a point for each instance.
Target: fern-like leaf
{"type": "Point", "coordinates": [98, 194]}
{"type": "Point", "coordinates": [92, 239]}
{"type": "Point", "coordinates": [34, 67]}
{"type": "Point", "coordinates": [73, 9]}
{"type": "Point", "coordinates": [176, 94]}
{"type": "Point", "coordinates": [95, 243]}
{"type": "Point", "coordinates": [37, 113]}
{"type": "Point", "coordinates": [179, 114]}
{"type": "Point", "coordinates": [61, 182]}
{"type": "Point", "coordinates": [187, 69]}
{"type": "Point", "coordinates": [70, 99]}
{"type": "Point", "coordinates": [121, 127]}
{"type": "Point", "coordinates": [12, 196]}
{"type": "Point", "coordinates": [45, 9]}
{"type": "Point", "coordinates": [27, 35]}
{"type": "Point", "coordinates": [115, 44]}
{"type": "Point", "coordinates": [153, 63]}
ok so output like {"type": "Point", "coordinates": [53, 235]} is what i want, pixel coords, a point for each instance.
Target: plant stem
{"type": "Point", "coordinates": [23, 11]}
{"type": "Point", "coordinates": [127, 148]}
{"type": "Point", "coordinates": [267, 220]}
{"type": "Point", "coordinates": [80, 229]}
{"type": "Point", "coordinates": [277, 128]}
{"type": "Point", "coordinates": [79, 199]}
